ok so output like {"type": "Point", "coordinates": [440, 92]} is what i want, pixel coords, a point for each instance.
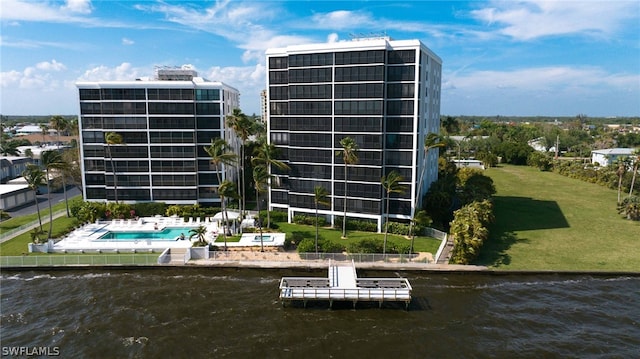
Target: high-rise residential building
{"type": "Point", "coordinates": [384, 94]}
{"type": "Point", "coordinates": [165, 123]}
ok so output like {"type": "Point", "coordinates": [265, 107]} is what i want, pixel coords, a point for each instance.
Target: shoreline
{"type": "Point", "coordinates": [322, 266]}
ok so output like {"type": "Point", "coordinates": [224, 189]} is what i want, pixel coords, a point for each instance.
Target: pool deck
{"type": "Point", "coordinates": [87, 238]}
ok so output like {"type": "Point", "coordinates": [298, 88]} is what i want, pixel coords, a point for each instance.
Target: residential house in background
{"type": "Point", "coordinates": [609, 156]}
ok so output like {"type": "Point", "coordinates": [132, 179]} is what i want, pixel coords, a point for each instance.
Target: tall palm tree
{"type": "Point", "coordinates": [636, 164]}
{"type": "Point", "coordinates": [431, 141]}
{"type": "Point", "coordinates": [226, 189]}
{"type": "Point", "coordinates": [221, 155]}
{"type": "Point", "coordinates": [35, 178]}
{"type": "Point", "coordinates": [111, 139]}
{"type": "Point", "coordinates": [51, 160]}
{"type": "Point", "coordinates": [265, 155]}
{"type": "Point", "coordinates": [60, 124]}
{"type": "Point", "coordinates": [243, 127]}
{"type": "Point", "coordinates": [391, 184]}
{"type": "Point", "coordinates": [260, 182]}
{"type": "Point", "coordinates": [44, 128]}
{"type": "Point", "coordinates": [349, 155]}
{"type": "Point", "coordinates": [622, 169]}
{"type": "Point", "coordinates": [320, 196]}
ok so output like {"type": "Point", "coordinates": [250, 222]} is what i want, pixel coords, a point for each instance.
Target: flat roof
{"type": "Point", "coordinates": [10, 188]}
{"type": "Point", "coordinates": [358, 44]}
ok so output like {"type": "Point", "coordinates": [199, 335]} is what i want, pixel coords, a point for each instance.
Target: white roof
{"type": "Point", "coordinates": [615, 151]}
{"type": "Point", "coordinates": [9, 188]}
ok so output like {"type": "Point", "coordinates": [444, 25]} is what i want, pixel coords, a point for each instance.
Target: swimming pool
{"type": "Point", "coordinates": [167, 234]}
{"type": "Point", "coordinates": [265, 238]}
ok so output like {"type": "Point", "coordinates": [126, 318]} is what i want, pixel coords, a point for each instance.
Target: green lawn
{"type": "Point", "coordinates": [16, 222]}
{"type": "Point", "coordinates": [545, 221]}
{"type": "Point", "coordinates": [19, 244]}
{"type": "Point", "coordinates": [421, 244]}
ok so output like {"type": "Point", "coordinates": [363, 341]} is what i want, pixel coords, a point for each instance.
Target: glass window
{"type": "Point", "coordinates": [310, 92]}
{"type": "Point", "coordinates": [310, 75]}
{"type": "Point", "coordinates": [89, 94]}
{"type": "Point", "coordinates": [278, 77]}
{"type": "Point", "coordinates": [364, 107]}
{"type": "Point", "coordinates": [310, 107]}
{"type": "Point", "coordinates": [358, 124]}
{"type": "Point", "coordinates": [401, 56]}
{"type": "Point", "coordinates": [360, 73]}
{"type": "Point", "coordinates": [171, 123]}
{"type": "Point", "coordinates": [172, 108]}
{"type": "Point", "coordinates": [400, 90]}
{"type": "Point", "coordinates": [399, 124]}
{"type": "Point", "coordinates": [207, 95]}
{"type": "Point", "coordinates": [278, 62]}
{"type": "Point", "coordinates": [322, 140]}
{"type": "Point", "coordinates": [401, 73]}
{"type": "Point", "coordinates": [306, 60]}
{"type": "Point", "coordinates": [360, 57]}
{"type": "Point", "coordinates": [359, 90]}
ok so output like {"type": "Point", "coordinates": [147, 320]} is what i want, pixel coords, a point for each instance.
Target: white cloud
{"type": "Point", "coordinates": [50, 66]}
{"type": "Point", "coordinates": [127, 42]}
{"type": "Point", "coordinates": [122, 72]}
{"type": "Point", "coordinates": [530, 19]}
{"type": "Point", "coordinates": [78, 6]}
{"type": "Point", "coordinates": [554, 90]}
{"type": "Point", "coordinates": [38, 77]}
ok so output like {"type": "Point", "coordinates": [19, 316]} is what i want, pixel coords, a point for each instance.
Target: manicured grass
{"type": "Point", "coordinates": [19, 245]}
{"type": "Point", "coordinates": [16, 222]}
{"type": "Point", "coordinates": [421, 244]}
{"type": "Point", "coordinates": [545, 221]}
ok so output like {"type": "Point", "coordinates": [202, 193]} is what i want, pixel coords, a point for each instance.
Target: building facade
{"type": "Point", "coordinates": [165, 123]}
{"type": "Point", "coordinates": [382, 93]}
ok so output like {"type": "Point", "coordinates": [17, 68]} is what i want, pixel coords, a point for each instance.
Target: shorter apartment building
{"type": "Point", "coordinates": [165, 123]}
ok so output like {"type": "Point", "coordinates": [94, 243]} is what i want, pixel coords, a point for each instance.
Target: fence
{"type": "Point", "coordinates": [79, 260]}
{"type": "Point", "coordinates": [338, 257]}
{"type": "Point", "coordinates": [16, 231]}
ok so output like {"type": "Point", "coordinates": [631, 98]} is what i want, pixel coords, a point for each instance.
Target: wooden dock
{"type": "Point", "coordinates": [343, 284]}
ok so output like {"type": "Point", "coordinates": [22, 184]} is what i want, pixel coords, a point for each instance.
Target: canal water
{"type": "Point", "coordinates": [230, 313]}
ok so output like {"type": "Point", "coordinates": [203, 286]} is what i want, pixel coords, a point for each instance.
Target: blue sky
{"type": "Point", "coordinates": [508, 58]}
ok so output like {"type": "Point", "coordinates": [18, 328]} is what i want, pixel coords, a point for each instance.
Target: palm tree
{"type": "Point", "coordinates": [221, 155]}
{"type": "Point", "coordinates": [51, 160]}
{"type": "Point", "coordinates": [198, 232]}
{"type": "Point", "coordinates": [622, 169]}
{"type": "Point", "coordinates": [320, 196]}
{"type": "Point", "coordinates": [391, 184]}
{"type": "Point", "coordinates": [44, 128]}
{"type": "Point", "coordinates": [35, 178]}
{"type": "Point", "coordinates": [260, 182]}
{"type": "Point", "coordinates": [113, 138]}
{"type": "Point", "coordinates": [349, 155]}
{"type": "Point", "coordinates": [431, 141]}
{"type": "Point", "coordinates": [226, 189]}
{"type": "Point", "coordinates": [243, 127]}
{"type": "Point", "coordinates": [265, 155]}
{"type": "Point", "coordinates": [8, 147]}
{"type": "Point", "coordinates": [60, 124]}
{"type": "Point", "coordinates": [636, 163]}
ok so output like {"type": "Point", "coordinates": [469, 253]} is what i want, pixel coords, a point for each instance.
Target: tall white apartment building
{"type": "Point", "coordinates": [165, 122]}
{"type": "Point", "coordinates": [385, 94]}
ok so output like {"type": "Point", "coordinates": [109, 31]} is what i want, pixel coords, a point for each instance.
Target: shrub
{"type": "Point", "coordinates": [358, 225]}
{"type": "Point", "coordinates": [310, 220]}
{"type": "Point", "coordinates": [149, 209]}
{"type": "Point", "coordinates": [307, 245]}
{"type": "Point", "coordinates": [367, 245]}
